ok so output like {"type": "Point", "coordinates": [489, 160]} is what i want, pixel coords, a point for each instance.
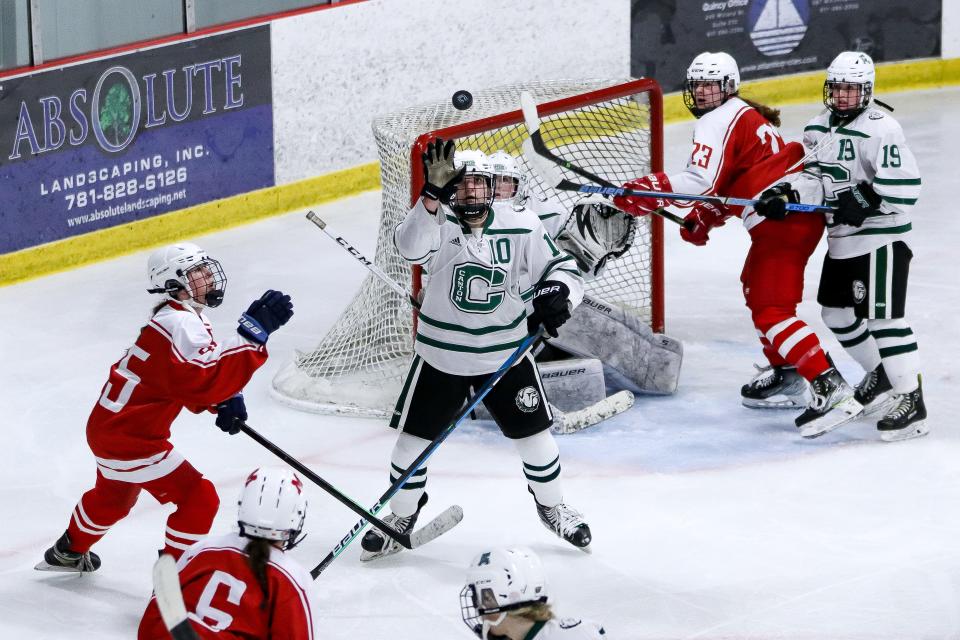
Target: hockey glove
{"type": "Point", "coordinates": [440, 176]}
{"type": "Point", "coordinates": [856, 205]}
{"type": "Point", "coordinates": [643, 205]}
{"type": "Point", "coordinates": [264, 316]}
{"type": "Point", "coordinates": [231, 413]}
{"type": "Point", "coordinates": [773, 202]}
{"type": "Point", "coordinates": [697, 224]}
{"type": "Point", "coordinates": [550, 307]}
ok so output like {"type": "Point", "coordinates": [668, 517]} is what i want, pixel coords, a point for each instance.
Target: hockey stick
{"type": "Point", "coordinates": [594, 414]}
{"type": "Point", "coordinates": [166, 586]}
{"type": "Point", "coordinates": [527, 343]}
{"type": "Point", "coordinates": [554, 178]}
{"type": "Point", "coordinates": [377, 271]}
{"type": "Point", "coordinates": [450, 517]}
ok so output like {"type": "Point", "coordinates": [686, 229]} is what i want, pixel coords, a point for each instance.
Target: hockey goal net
{"type": "Point", "coordinates": [611, 128]}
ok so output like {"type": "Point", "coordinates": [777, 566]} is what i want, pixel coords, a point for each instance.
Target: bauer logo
{"type": "Point", "coordinates": [528, 399]}
{"type": "Point", "coordinates": [778, 26]}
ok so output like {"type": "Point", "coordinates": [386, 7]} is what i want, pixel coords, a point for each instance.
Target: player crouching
{"type": "Point", "coordinates": [480, 262]}
{"type": "Point", "coordinates": [506, 598]}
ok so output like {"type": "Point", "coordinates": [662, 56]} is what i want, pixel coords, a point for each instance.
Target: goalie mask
{"type": "Point", "coordinates": [712, 78]}
{"type": "Point", "coordinates": [500, 581]}
{"type": "Point", "coordinates": [273, 506]}
{"type": "Point", "coordinates": [474, 194]}
{"type": "Point", "coordinates": [509, 181]}
{"type": "Point", "coordinates": [596, 232]}
{"type": "Point", "coordinates": [848, 89]}
{"type": "Point", "coordinates": [186, 267]}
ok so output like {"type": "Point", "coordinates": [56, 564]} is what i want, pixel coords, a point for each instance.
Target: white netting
{"type": "Point", "coordinates": [358, 367]}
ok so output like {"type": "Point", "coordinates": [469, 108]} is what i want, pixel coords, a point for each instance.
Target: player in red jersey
{"type": "Point", "coordinates": [242, 585]}
{"type": "Point", "coordinates": [737, 151]}
{"type": "Point", "coordinates": [175, 363]}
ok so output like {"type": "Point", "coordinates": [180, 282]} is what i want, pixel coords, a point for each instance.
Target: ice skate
{"type": "Point", "coordinates": [60, 558]}
{"type": "Point", "coordinates": [873, 393]}
{"type": "Point", "coordinates": [567, 523]}
{"type": "Point", "coordinates": [833, 405]}
{"type": "Point", "coordinates": [377, 544]}
{"type": "Point", "coordinates": [775, 388]}
{"type": "Point", "coordinates": [906, 419]}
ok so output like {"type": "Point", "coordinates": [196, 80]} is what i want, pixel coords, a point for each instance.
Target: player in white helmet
{"type": "Point", "coordinates": [484, 262]}
{"type": "Point", "coordinates": [870, 175]}
{"type": "Point", "coordinates": [509, 180]}
{"type": "Point", "coordinates": [175, 363]}
{"type": "Point", "coordinates": [244, 585]}
{"type": "Point", "coordinates": [505, 597]}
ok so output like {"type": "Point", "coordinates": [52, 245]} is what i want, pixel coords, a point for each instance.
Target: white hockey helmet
{"type": "Point", "coordinates": [474, 194]}
{"type": "Point", "coordinates": [498, 581]}
{"type": "Point", "coordinates": [186, 267]}
{"type": "Point", "coordinates": [596, 232]}
{"type": "Point", "coordinates": [851, 70]}
{"type": "Point", "coordinates": [273, 505]}
{"type": "Point", "coordinates": [719, 67]}
{"type": "Point", "coordinates": [509, 180]}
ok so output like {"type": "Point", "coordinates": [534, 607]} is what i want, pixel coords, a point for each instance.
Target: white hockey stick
{"type": "Point", "coordinates": [566, 423]}
{"type": "Point", "coordinates": [166, 586]}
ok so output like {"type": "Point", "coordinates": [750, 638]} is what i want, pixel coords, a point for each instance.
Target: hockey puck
{"type": "Point", "coordinates": [462, 100]}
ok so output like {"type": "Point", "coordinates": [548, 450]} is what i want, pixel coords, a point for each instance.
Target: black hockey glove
{"type": "Point", "coordinates": [773, 202]}
{"type": "Point", "coordinates": [440, 177]}
{"type": "Point", "coordinates": [856, 205]}
{"type": "Point", "coordinates": [550, 307]}
{"type": "Point", "coordinates": [231, 413]}
{"type": "Point", "coordinates": [264, 316]}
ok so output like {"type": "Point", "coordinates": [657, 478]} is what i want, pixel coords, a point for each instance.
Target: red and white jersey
{"type": "Point", "coordinates": [174, 363]}
{"type": "Point", "coordinates": [225, 601]}
{"type": "Point", "coordinates": [727, 143]}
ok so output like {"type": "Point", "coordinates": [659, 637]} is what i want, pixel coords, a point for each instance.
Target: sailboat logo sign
{"type": "Point", "coordinates": [778, 26]}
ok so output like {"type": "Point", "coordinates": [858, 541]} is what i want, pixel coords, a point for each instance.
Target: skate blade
{"type": "Point", "coordinates": [915, 430]}
{"type": "Point", "coordinates": [393, 548]}
{"type": "Point", "coordinates": [43, 565]}
{"type": "Point", "coordinates": [839, 415]}
{"type": "Point", "coordinates": [785, 403]}
{"type": "Point", "coordinates": [879, 405]}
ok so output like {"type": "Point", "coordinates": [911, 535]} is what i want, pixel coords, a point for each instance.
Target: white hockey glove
{"type": "Point", "coordinates": [596, 232]}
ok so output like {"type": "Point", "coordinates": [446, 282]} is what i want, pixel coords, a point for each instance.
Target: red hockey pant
{"type": "Point", "coordinates": [111, 500]}
{"type": "Point", "coordinates": [773, 287]}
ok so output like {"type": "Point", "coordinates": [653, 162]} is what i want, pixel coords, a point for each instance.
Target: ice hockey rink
{"type": "Point", "coordinates": [710, 520]}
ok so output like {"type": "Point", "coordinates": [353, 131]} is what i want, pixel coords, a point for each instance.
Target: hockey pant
{"type": "Point", "coordinates": [110, 501]}
{"type": "Point", "coordinates": [773, 287]}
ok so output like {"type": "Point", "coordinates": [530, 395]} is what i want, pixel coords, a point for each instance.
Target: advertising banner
{"type": "Point", "coordinates": [108, 142]}
{"type": "Point", "coordinates": [776, 37]}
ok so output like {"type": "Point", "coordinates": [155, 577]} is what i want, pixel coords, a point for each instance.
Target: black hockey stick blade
{"type": "Point", "coordinates": [166, 586]}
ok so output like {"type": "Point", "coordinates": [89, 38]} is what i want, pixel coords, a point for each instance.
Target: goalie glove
{"type": "Point", "coordinates": [440, 177]}
{"type": "Point", "coordinates": [594, 233]}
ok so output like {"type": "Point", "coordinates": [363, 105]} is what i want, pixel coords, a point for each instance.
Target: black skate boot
{"type": "Point", "coordinates": [833, 405]}
{"type": "Point", "coordinates": [906, 419]}
{"type": "Point", "coordinates": [566, 522]}
{"type": "Point", "coordinates": [873, 392]}
{"type": "Point", "coordinates": [775, 388]}
{"type": "Point", "coordinates": [377, 544]}
{"type": "Point", "coordinates": [59, 557]}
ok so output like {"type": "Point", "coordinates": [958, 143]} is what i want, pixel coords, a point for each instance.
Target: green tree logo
{"type": "Point", "coordinates": [115, 114]}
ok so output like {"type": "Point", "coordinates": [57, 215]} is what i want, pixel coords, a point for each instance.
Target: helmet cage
{"type": "Point", "coordinates": [716, 92]}
{"type": "Point", "coordinates": [474, 195]}
{"type": "Point", "coordinates": [832, 87]}
{"type": "Point", "coordinates": [204, 280]}
{"type": "Point", "coordinates": [473, 606]}
{"type": "Point", "coordinates": [507, 176]}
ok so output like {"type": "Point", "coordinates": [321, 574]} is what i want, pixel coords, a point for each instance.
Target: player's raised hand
{"type": "Point", "coordinates": [440, 176]}
{"type": "Point", "coordinates": [264, 316]}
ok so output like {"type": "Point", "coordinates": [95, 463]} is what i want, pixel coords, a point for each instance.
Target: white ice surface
{"type": "Point", "coordinates": [710, 520]}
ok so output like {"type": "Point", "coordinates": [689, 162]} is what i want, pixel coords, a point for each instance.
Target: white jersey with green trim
{"type": "Point", "coordinates": [567, 629]}
{"type": "Point", "coordinates": [869, 149]}
{"type": "Point", "coordinates": [552, 213]}
{"type": "Point", "coordinates": [473, 313]}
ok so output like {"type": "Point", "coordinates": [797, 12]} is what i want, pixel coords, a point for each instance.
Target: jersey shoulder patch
{"type": "Point", "coordinates": [876, 115]}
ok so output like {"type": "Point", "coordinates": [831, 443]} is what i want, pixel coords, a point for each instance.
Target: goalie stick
{"type": "Point", "coordinates": [568, 422]}
{"type": "Point", "coordinates": [607, 188]}
{"type": "Point", "coordinates": [448, 519]}
{"type": "Point", "coordinates": [166, 587]}
{"type": "Point", "coordinates": [528, 343]}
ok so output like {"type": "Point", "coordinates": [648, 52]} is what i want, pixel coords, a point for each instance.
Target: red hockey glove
{"type": "Point", "coordinates": [697, 223]}
{"type": "Point", "coordinates": [639, 205]}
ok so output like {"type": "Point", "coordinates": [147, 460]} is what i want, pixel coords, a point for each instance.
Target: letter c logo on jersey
{"type": "Point", "coordinates": [528, 399]}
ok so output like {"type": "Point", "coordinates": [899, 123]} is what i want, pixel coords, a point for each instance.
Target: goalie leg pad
{"type": "Point", "coordinates": [649, 361]}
